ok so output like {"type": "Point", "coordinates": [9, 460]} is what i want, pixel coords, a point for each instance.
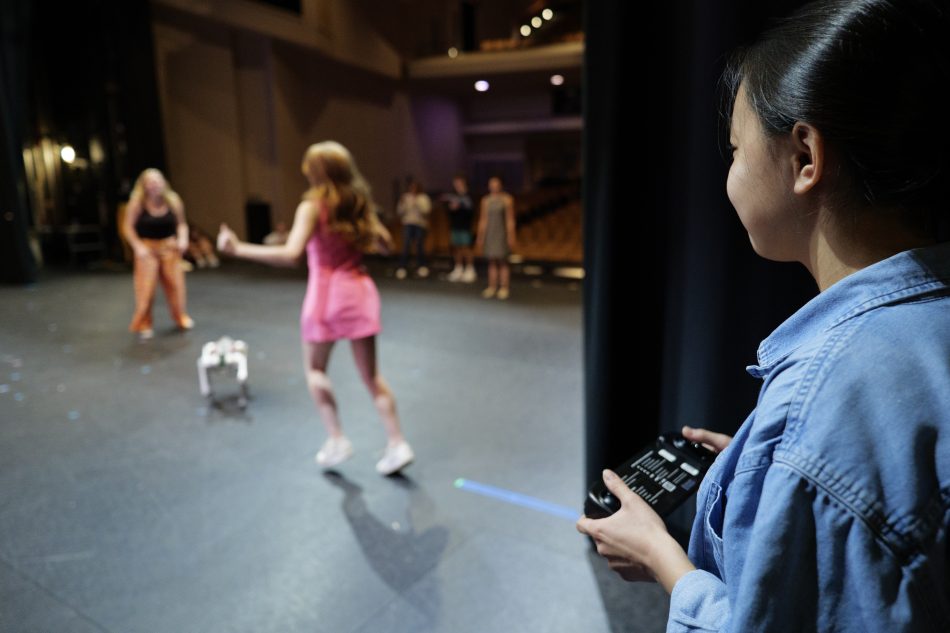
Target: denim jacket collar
{"type": "Point", "coordinates": [898, 278]}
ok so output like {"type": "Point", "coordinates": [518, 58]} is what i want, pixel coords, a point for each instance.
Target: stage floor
{"type": "Point", "coordinates": [127, 504]}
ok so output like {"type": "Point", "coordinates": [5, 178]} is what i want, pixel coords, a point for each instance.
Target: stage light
{"type": "Point", "coordinates": [453, 52]}
{"type": "Point", "coordinates": [547, 14]}
{"type": "Point", "coordinates": [96, 153]}
{"type": "Point", "coordinates": [536, 22]}
{"type": "Point", "coordinates": [481, 85]}
{"type": "Point", "coordinates": [68, 154]}
{"type": "Point", "coordinates": [557, 80]}
{"type": "Point", "coordinates": [525, 30]}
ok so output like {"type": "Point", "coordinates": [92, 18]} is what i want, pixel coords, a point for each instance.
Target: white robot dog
{"type": "Point", "coordinates": [223, 354]}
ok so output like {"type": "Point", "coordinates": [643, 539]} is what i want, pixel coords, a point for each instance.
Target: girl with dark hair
{"type": "Point", "coordinates": [461, 213]}
{"type": "Point", "coordinates": [830, 508]}
{"type": "Point", "coordinates": [334, 225]}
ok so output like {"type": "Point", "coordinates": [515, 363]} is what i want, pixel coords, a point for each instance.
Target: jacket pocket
{"type": "Point", "coordinates": [713, 522]}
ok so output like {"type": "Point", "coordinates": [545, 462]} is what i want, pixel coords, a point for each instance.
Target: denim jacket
{"type": "Point", "coordinates": [830, 509]}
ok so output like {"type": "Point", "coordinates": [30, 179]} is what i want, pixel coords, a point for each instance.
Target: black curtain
{"type": "Point", "coordinates": [621, 241]}
{"type": "Point", "coordinates": [17, 264]}
{"type": "Point", "coordinates": [83, 74]}
{"type": "Point", "coordinates": [676, 301]}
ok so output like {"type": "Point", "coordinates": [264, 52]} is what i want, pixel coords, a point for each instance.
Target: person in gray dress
{"type": "Point", "coordinates": [496, 237]}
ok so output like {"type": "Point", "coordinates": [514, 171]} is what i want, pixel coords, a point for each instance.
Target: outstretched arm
{"type": "Point", "coordinates": [287, 254]}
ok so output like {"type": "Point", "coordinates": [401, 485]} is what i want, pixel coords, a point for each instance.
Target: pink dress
{"type": "Point", "coordinates": [342, 300]}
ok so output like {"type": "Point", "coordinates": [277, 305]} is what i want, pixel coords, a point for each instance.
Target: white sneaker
{"type": "Point", "coordinates": [456, 274]}
{"type": "Point", "coordinates": [400, 273]}
{"type": "Point", "coordinates": [489, 292]}
{"type": "Point", "coordinates": [469, 275]}
{"type": "Point", "coordinates": [335, 450]}
{"type": "Point", "coordinates": [423, 272]}
{"type": "Point", "coordinates": [396, 457]}
{"type": "Point", "coordinates": [145, 335]}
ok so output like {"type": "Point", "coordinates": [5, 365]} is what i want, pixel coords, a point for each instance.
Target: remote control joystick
{"type": "Point", "coordinates": [610, 501]}
{"type": "Point", "coordinates": [679, 442]}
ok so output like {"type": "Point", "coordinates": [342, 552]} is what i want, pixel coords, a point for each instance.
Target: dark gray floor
{"type": "Point", "coordinates": [127, 505]}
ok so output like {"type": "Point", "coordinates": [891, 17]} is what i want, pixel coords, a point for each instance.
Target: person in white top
{"type": "Point", "coordinates": [277, 237]}
{"type": "Point", "coordinates": [414, 209]}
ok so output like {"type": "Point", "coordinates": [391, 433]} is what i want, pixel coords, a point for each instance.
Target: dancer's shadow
{"type": "Point", "coordinates": [399, 554]}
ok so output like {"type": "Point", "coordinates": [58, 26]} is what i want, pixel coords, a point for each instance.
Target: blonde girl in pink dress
{"type": "Point", "coordinates": [335, 224]}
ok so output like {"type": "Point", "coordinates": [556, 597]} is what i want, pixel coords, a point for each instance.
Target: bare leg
{"type": "Point", "coordinates": [505, 274]}
{"type": "Point", "coordinates": [493, 273]}
{"type": "Point", "coordinates": [316, 357]}
{"type": "Point", "coordinates": [364, 353]}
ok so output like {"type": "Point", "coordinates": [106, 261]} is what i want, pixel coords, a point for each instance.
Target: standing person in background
{"type": "Point", "coordinates": [278, 236]}
{"type": "Point", "coordinates": [156, 229]}
{"type": "Point", "coordinates": [461, 214]}
{"type": "Point", "coordinates": [496, 237]}
{"type": "Point", "coordinates": [414, 209]}
{"type": "Point", "coordinates": [335, 224]}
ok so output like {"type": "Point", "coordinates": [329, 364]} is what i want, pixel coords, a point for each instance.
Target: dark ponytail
{"type": "Point", "coordinates": [869, 75]}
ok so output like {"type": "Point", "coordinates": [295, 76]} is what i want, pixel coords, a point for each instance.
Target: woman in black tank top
{"type": "Point", "coordinates": [156, 230]}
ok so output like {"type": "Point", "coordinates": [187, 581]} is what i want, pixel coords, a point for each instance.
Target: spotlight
{"type": "Point", "coordinates": [481, 85]}
{"type": "Point", "coordinates": [68, 154]}
{"type": "Point", "coordinates": [547, 14]}
{"type": "Point", "coordinates": [557, 80]}
{"type": "Point", "coordinates": [525, 30]}
{"type": "Point", "coordinates": [453, 52]}
{"type": "Point", "coordinates": [536, 22]}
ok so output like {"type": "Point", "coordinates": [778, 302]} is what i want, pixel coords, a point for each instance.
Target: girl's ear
{"type": "Point", "coordinates": [808, 156]}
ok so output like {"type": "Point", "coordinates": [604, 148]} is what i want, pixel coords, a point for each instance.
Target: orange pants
{"type": "Point", "coordinates": [163, 263]}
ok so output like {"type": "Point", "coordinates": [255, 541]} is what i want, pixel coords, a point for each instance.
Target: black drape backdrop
{"type": "Point", "coordinates": [675, 300]}
{"type": "Point", "coordinates": [83, 74]}
{"type": "Point", "coordinates": [16, 260]}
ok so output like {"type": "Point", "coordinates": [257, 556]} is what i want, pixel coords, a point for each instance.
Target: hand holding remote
{"type": "Point", "coordinates": [664, 474]}
{"type": "Point", "coordinates": [634, 539]}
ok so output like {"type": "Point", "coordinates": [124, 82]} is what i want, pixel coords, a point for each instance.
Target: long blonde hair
{"type": "Point", "coordinates": [168, 194]}
{"type": "Point", "coordinates": [349, 200]}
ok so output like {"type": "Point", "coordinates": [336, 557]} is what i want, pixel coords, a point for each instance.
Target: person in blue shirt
{"type": "Point", "coordinates": [830, 508]}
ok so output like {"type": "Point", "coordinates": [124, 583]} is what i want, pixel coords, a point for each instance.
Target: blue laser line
{"type": "Point", "coordinates": [518, 499]}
